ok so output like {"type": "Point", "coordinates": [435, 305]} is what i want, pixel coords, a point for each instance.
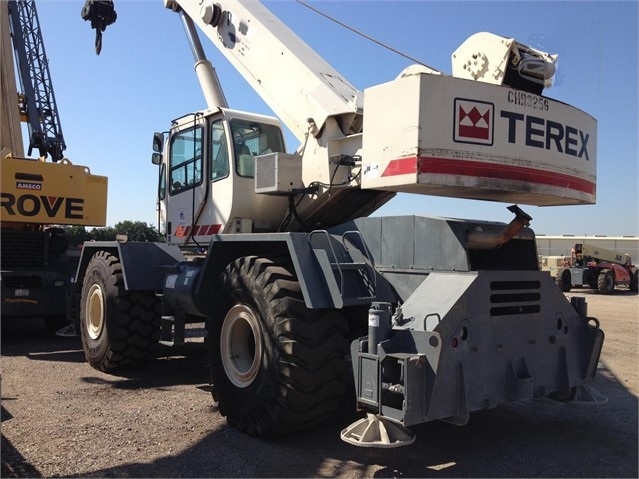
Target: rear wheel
{"type": "Point", "coordinates": [605, 282]}
{"type": "Point", "coordinates": [634, 280]}
{"type": "Point", "coordinates": [118, 328]}
{"type": "Point", "coordinates": [276, 366]}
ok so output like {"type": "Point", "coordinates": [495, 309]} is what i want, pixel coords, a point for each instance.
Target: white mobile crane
{"type": "Point", "coordinates": [274, 252]}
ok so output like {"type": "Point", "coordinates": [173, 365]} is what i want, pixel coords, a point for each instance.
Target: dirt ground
{"type": "Point", "coordinates": [61, 418]}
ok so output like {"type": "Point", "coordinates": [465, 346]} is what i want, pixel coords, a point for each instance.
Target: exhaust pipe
{"type": "Point", "coordinates": [483, 240]}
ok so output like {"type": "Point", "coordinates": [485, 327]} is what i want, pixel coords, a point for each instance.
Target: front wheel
{"type": "Point", "coordinates": [118, 328]}
{"type": "Point", "coordinates": [606, 282]}
{"type": "Point", "coordinates": [276, 366]}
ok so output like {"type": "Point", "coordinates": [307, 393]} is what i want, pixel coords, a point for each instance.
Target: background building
{"type": "Point", "coordinates": [548, 245]}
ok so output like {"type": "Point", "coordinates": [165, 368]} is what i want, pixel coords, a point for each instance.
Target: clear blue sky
{"type": "Point", "coordinates": [111, 104]}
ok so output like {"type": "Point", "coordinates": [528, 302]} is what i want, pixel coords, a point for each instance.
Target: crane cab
{"type": "Point", "coordinates": [206, 176]}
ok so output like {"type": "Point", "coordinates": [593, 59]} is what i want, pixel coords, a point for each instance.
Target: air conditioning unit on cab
{"type": "Point", "coordinates": [278, 173]}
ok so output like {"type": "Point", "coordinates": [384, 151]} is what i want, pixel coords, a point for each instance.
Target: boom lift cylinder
{"type": "Point", "coordinates": [209, 81]}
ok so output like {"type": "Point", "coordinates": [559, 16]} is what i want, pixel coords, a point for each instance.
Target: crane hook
{"type": "Point", "coordinates": [101, 13]}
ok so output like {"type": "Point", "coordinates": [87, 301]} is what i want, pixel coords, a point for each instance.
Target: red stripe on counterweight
{"type": "Point", "coordinates": [447, 166]}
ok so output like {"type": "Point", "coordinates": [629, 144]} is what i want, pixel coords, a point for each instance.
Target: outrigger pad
{"type": "Point", "coordinates": [377, 431]}
{"type": "Point", "coordinates": [69, 331]}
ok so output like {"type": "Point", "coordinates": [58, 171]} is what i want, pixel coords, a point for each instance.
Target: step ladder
{"type": "Point", "coordinates": [348, 269]}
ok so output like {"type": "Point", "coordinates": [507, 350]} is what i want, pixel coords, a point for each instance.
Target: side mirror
{"type": "Point", "coordinates": [158, 142]}
{"type": "Point", "coordinates": [156, 158]}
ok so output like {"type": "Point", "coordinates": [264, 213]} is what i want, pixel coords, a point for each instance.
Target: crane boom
{"type": "Point", "coordinates": [38, 105]}
{"type": "Point", "coordinates": [278, 65]}
{"type": "Point", "coordinates": [10, 132]}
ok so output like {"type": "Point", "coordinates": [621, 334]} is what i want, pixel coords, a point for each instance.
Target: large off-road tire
{"type": "Point", "coordinates": [276, 366]}
{"type": "Point", "coordinates": [564, 280]}
{"type": "Point", "coordinates": [606, 282]}
{"type": "Point", "coordinates": [119, 329]}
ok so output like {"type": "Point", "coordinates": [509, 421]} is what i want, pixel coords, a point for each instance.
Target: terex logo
{"type": "Point", "coordinates": [547, 134]}
{"type": "Point", "coordinates": [32, 205]}
{"type": "Point", "coordinates": [473, 122]}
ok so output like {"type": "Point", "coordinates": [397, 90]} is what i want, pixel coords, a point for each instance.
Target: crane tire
{"type": "Point", "coordinates": [276, 366]}
{"type": "Point", "coordinates": [564, 280]}
{"type": "Point", "coordinates": [119, 328]}
{"type": "Point", "coordinates": [605, 282]}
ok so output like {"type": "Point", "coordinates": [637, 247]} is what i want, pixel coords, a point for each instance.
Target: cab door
{"type": "Point", "coordinates": [185, 189]}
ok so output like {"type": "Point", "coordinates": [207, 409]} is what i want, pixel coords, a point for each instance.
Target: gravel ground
{"type": "Point", "coordinates": [61, 418]}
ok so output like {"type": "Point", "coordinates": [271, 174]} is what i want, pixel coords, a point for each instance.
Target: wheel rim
{"type": "Point", "coordinates": [241, 345]}
{"type": "Point", "coordinates": [94, 320]}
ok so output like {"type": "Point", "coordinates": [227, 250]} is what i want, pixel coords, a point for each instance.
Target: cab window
{"type": "Point", "coordinates": [251, 139]}
{"type": "Point", "coordinates": [219, 152]}
{"type": "Point", "coordinates": [185, 161]}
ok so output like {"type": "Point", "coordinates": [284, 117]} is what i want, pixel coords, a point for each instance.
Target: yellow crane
{"type": "Point", "coordinates": [37, 194]}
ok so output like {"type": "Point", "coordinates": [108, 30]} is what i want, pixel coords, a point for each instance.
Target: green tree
{"type": "Point", "coordinates": [103, 234]}
{"type": "Point", "coordinates": [134, 231]}
{"type": "Point", "coordinates": [137, 231]}
{"type": "Point", "coordinates": [76, 235]}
